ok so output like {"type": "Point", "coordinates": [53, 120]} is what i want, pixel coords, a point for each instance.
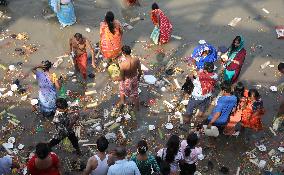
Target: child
{"type": "Point", "coordinates": [191, 154]}
{"type": "Point", "coordinates": [64, 125]}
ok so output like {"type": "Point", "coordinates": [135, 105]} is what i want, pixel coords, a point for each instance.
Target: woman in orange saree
{"type": "Point", "coordinates": [253, 111]}
{"type": "Point", "coordinates": [110, 37]}
{"type": "Point", "coordinates": [160, 20]}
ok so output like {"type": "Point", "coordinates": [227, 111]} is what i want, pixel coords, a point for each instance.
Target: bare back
{"type": "Point", "coordinates": [130, 67]}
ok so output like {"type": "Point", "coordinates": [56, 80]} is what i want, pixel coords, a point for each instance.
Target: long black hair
{"type": "Point", "coordinates": [192, 140]}
{"type": "Point", "coordinates": [172, 148]}
{"type": "Point", "coordinates": [46, 65]}
{"type": "Point", "coordinates": [155, 6]}
{"type": "Point", "coordinates": [238, 38]}
{"type": "Point", "coordinates": [109, 18]}
{"type": "Point", "coordinates": [254, 93]}
{"type": "Point", "coordinates": [142, 147]}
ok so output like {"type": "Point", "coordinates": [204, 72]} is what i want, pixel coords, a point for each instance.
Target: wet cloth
{"type": "Point", "coordinates": [81, 63]}
{"type": "Point", "coordinates": [47, 92]}
{"type": "Point", "coordinates": [5, 165]}
{"type": "Point", "coordinates": [145, 166]}
{"type": "Point", "coordinates": [162, 21]}
{"type": "Point", "coordinates": [232, 70]}
{"type": "Point", "coordinates": [225, 105]}
{"type": "Point", "coordinates": [129, 87]}
{"type": "Point", "coordinates": [110, 43]}
{"type": "Point", "coordinates": [155, 35]}
{"type": "Point", "coordinates": [52, 170]}
{"type": "Point", "coordinates": [249, 118]}
{"type": "Point", "coordinates": [199, 59]}
{"type": "Point", "coordinates": [64, 10]}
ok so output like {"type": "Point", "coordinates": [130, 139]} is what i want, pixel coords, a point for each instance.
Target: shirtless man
{"type": "Point", "coordinates": [130, 73]}
{"type": "Point", "coordinates": [78, 50]}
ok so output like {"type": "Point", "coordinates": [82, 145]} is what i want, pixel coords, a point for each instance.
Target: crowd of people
{"type": "Point", "coordinates": [236, 107]}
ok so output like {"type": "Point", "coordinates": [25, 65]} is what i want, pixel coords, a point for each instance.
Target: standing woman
{"type": "Point", "coordinates": [191, 154]}
{"type": "Point", "coordinates": [48, 83]}
{"type": "Point", "coordinates": [110, 37]}
{"type": "Point", "coordinates": [234, 60]}
{"type": "Point", "coordinates": [171, 154]}
{"type": "Point", "coordinates": [162, 23]}
{"type": "Point", "coordinates": [64, 10]}
{"type": "Point", "coordinates": [145, 161]}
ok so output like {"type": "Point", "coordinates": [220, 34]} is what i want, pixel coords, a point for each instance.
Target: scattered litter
{"type": "Point", "coordinates": [150, 79]}
{"type": "Point", "coordinates": [152, 127]}
{"type": "Point", "coordinates": [264, 65]}
{"type": "Point", "coordinates": [273, 88]}
{"type": "Point", "coordinates": [176, 37]}
{"type": "Point", "coordinates": [266, 11]}
{"type": "Point", "coordinates": [169, 126]}
{"type": "Point", "coordinates": [261, 148]}
{"type": "Point", "coordinates": [88, 29]}
{"type": "Point", "coordinates": [235, 21]}
{"type": "Point", "coordinates": [12, 67]}
{"type": "Point", "coordinates": [135, 19]}
{"type": "Point", "coordinates": [21, 146]}
{"type": "Point", "coordinates": [128, 26]}
{"type": "Point", "coordinates": [34, 102]}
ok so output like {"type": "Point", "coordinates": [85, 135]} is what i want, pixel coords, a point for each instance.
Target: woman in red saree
{"type": "Point", "coordinates": [43, 162]}
{"type": "Point", "coordinates": [110, 37]}
{"type": "Point", "coordinates": [236, 57]}
{"type": "Point", "coordinates": [253, 111]}
{"type": "Point", "coordinates": [160, 20]}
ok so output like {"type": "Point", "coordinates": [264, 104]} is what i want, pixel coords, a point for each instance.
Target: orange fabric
{"type": "Point", "coordinates": [111, 44]}
{"type": "Point", "coordinates": [154, 18]}
{"type": "Point", "coordinates": [236, 116]}
{"type": "Point", "coordinates": [81, 62]}
{"type": "Point", "coordinates": [249, 119]}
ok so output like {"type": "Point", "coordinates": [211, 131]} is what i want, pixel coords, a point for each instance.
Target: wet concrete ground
{"type": "Point", "coordinates": [192, 20]}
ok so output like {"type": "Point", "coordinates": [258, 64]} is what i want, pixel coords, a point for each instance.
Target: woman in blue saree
{"type": "Point", "coordinates": [203, 53]}
{"type": "Point", "coordinates": [48, 84]}
{"type": "Point", "coordinates": [64, 10]}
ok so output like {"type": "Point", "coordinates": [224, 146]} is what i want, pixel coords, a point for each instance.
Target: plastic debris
{"type": "Point", "coordinates": [235, 21]}
{"type": "Point", "coordinates": [264, 65]}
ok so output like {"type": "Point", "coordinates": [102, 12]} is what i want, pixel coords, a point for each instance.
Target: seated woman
{"type": "Point", "coordinates": [110, 37]}
{"type": "Point", "coordinates": [203, 53]}
{"type": "Point", "coordinates": [64, 10]}
{"type": "Point", "coordinates": [234, 59]}
{"type": "Point", "coordinates": [253, 111]}
{"type": "Point", "coordinates": [48, 83]}
{"type": "Point", "coordinates": [242, 94]}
